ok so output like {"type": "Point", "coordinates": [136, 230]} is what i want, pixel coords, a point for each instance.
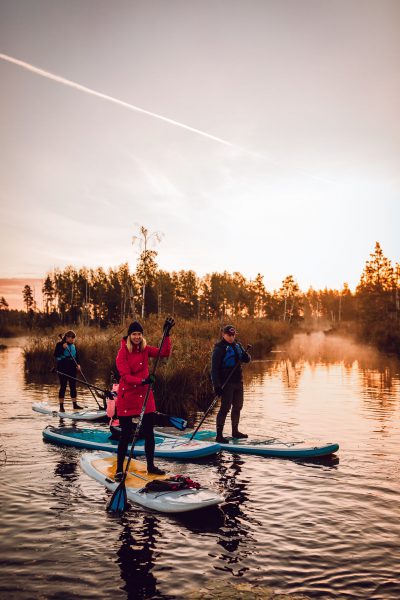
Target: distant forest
{"type": "Point", "coordinates": [103, 298]}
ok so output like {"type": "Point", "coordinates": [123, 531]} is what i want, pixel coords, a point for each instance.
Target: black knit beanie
{"type": "Point", "coordinates": [135, 326]}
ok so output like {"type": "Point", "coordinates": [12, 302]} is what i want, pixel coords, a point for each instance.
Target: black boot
{"type": "Point", "coordinates": [220, 439]}
{"type": "Point", "coordinates": [153, 470]}
{"type": "Point", "coordinates": [237, 435]}
{"type": "Point", "coordinates": [62, 409]}
{"type": "Point", "coordinates": [76, 405]}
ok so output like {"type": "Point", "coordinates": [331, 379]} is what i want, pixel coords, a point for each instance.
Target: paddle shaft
{"type": "Point", "coordinates": [213, 403]}
{"type": "Point", "coordinates": [83, 375]}
{"type": "Point", "coordinates": [89, 385]}
{"type": "Point", "coordinates": [178, 419]}
{"type": "Point", "coordinates": [118, 502]}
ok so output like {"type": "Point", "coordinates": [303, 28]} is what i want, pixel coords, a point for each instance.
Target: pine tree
{"type": "Point", "coordinates": [376, 292]}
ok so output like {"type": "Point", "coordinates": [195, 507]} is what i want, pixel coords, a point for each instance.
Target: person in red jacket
{"type": "Point", "coordinates": [132, 364]}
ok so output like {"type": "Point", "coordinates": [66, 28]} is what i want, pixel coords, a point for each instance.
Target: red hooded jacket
{"type": "Point", "coordinates": [133, 367]}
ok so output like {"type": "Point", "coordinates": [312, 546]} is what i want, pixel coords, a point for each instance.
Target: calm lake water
{"type": "Point", "coordinates": [324, 529]}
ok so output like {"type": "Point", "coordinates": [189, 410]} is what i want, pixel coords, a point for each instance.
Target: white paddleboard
{"type": "Point", "coordinates": [75, 415]}
{"type": "Point", "coordinates": [101, 466]}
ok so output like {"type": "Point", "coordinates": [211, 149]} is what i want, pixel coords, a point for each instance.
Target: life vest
{"type": "Point", "coordinates": [69, 352]}
{"type": "Point", "coordinates": [233, 355]}
{"type": "Point", "coordinates": [112, 407]}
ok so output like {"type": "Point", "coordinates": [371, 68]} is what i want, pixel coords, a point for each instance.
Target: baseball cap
{"type": "Point", "coordinates": [229, 329]}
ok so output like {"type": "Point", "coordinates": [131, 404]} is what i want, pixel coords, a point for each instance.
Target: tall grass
{"type": "Point", "coordinates": [183, 382]}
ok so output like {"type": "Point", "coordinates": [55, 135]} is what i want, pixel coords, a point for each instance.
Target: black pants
{"type": "Point", "coordinates": [146, 432]}
{"type": "Point", "coordinates": [232, 397]}
{"type": "Point", "coordinates": [68, 367]}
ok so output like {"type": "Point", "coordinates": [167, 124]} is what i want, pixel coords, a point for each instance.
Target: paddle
{"type": "Point", "coordinates": [119, 500]}
{"type": "Point", "coordinates": [82, 373]}
{"type": "Point", "coordinates": [176, 422]}
{"type": "Point", "coordinates": [213, 403]}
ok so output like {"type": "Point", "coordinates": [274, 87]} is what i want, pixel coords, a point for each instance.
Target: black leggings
{"type": "Point", "coordinates": [232, 397]}
{"type": "Point", "coordinates": [64, 380]}
{"type": "Point", "coordinates": [146, 432]}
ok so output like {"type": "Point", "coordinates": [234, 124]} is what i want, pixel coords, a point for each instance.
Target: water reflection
{"type": "Point", "coordinates": [136, 556]}
{"type": "Point", "coordinates": [296, 526]}
{"type": "Point", "coordinates": [66, 468]}
{"type": "Point", "coordinates": [234, 537]}
{"type": "Point", "coordinates": [66, 490]}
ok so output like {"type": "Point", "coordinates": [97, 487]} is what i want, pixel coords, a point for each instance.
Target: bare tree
{"type": "Point", "coordinates": [143, 239]}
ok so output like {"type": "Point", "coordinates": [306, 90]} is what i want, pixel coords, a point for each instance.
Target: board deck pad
{"type": "Point", "coordinates": [137, 475]}
{"type": "Point", "coordinates": [271, 447]}
{"type": "Point", "coordinates": [100, 439]}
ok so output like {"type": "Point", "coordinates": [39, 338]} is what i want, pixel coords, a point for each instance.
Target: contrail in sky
{"type": "Point", "coordinates": [87, 90]}
{"type": "Point", "coordinates": [83, 88]}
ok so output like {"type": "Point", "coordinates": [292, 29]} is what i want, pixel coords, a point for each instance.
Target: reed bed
{"type": "Point", "coordinates": [183, 383]}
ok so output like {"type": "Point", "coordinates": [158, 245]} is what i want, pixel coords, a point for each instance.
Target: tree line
{"type": "Point", "coordinates": [102, 298]}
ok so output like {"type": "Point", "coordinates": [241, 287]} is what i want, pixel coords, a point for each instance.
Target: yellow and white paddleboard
{"type": "Point", "coordinates": [102, 467]}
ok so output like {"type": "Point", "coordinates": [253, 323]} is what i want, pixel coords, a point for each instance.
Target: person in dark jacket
{"type": "Point", "coordinates": [225, 362]}
{"type": "Point", "coordinates": [133, 366]}
{"type": "Point", "coordinates": [67, 362]}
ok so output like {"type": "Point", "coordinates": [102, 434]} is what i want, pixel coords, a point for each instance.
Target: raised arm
{"type": "Point", "coordinates": [165, 350]}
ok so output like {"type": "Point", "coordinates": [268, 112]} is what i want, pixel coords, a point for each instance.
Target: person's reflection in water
{"type": "Point", "coordinates": [70, 424]}
{"type": "Point", "coordinates": [136, 557]}
{"type": "Point", "coordinates": [67, 470]}
{"type": "Point", "coordinates": [66, 490]}
{"type": "Point", "coordinates": [66, 467]}
{"type": "Point", "coordinates": [234, 536]}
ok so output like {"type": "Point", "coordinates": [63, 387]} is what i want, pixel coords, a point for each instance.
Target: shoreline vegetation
{"type": "Point", "coordinates": [183, 382]}
{"type": "Point", "coordinates": [94, 300]}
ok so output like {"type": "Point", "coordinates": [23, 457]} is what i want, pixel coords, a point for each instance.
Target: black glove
{"type": "Point", "coordinates": [245, 355]}
{"type": "Point", "coordinates": [149, 380]}
{"type": "Point", "coordinates": [168, 325]}
{"type": "Point", "coordinates": [218, 390]}
{"type": "Point", "coordinates": [110, 395]}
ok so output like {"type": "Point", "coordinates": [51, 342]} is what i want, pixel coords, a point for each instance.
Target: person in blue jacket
{"type": "Point", "coordinates": [225, 362]}
{"type": "Point", "coordinates": [67, 362]}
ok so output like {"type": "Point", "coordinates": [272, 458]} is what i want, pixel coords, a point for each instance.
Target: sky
{"type": "Point", "coordinates": [259, 136]}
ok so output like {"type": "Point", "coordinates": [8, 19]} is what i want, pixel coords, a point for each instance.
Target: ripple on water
{"type": "Point", "coordinates": [325, 530]}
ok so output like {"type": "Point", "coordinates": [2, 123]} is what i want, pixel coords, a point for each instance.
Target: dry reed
{"type": "Point", "coordinates": [183, 382]}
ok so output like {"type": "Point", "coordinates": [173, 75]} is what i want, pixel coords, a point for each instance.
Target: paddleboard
{"type": "Point", "coordinates": [268, 447]}
{"type": "Point", "coordinates": [99, 439]}
{"type": "Point", "coordinates": [101, 466]}
{"type": "Point", "coordinates": [75, 415]}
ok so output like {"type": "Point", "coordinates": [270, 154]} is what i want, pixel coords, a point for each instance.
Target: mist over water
{"type": "Point", "coordinates": [326, 529]}
{"type": "Point", "coordinates": [319, 346]}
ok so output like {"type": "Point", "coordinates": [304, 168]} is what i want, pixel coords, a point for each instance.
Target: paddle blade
{"type": "Point", "coordinates": [178, 423]}
{"type": "Point", "coordinates": [119, 500]}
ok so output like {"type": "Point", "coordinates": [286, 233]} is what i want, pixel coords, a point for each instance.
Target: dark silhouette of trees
{"type": "Point", "coordinates": [29, 301]}
{"type": "Point", "coordinates": [378, 288]}
{"type": "Point", "coordinates": [100, 297]}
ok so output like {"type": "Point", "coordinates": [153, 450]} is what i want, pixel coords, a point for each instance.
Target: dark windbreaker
{"type": "Point", "coordinates": [225, 357]}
